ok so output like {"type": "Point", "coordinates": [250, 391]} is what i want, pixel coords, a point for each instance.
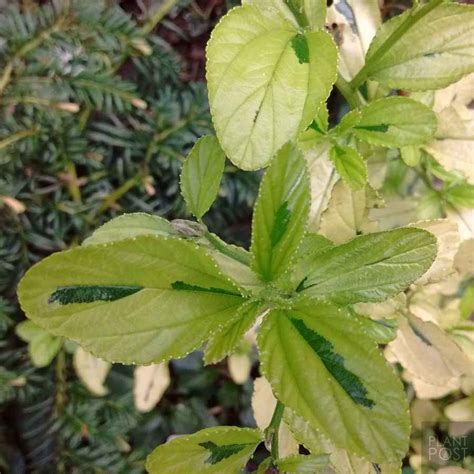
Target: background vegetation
{"type": "Point", "coordinates": [100, 101]}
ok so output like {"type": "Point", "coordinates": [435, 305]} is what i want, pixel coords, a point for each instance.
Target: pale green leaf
{"type": "Point", "coordinates": [137, 301]}
{"type": "Point", "coordinates": [127, 226]}
{"type": "Point", "coordinates": [226, 339]}
{"type": "Point", "coordinates": [382, 331]}
{"type": "Point", "coordinates": [224, 449]}
{"type": "Point", "coordinates": [254, 61]}
{"type": "Point", "coordinates": [301, 464]}
{"type": "Point", "coordinates": [396, 122]}
{"type": "Point", "coordinates": [347, 215]}
{"type": "Point", "coordinates": [201, 175]}
{"type": "Point", "coordinates": [322, 364]}
{"type": "Point", "coordinates": [28, 330]}
{"type": "Point", "coordinates": [371, 267]}
{"type": "Point", "coordinates": [436, 49]}
{"type": "Point", "coordinates": [43, 349]}
{"type": "Point", "coordinates": [341, 461]}
{"type": "Point", "coordinates": [323, 177]}
{"type": "Point", "coordinates": [411, 155]}
{"type": "Point", "coordinates": [349, 121]}
{"type": "Point", "coordinates": [350, 165]}
{"type": "Point", "coordinates": [280, 214]}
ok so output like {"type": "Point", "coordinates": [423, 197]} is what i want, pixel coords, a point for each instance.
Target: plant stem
{"type": "Point", "coordinates": [160, 13]}
{"type": "Point", "coordinates": [273, 428]}
{"type": "Point", "coordinates": [354, 98]}
{"type": "Point", "coordinates": [411, 20]}
{"type": "Point", "coordinates": [225, 249]}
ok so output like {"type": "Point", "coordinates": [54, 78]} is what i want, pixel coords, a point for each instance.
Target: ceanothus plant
{"type": "Point", "coordinates": [143, 290]}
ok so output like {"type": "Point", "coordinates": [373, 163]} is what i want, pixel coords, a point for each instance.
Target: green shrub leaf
{"type": "Point", "coordinates": [212, 451]}
{"type": "Point", "coordinates": [138, 301]}
{"type": "Point", "coordinates": [396, 122]}
{"type": "Point", "coordinates": [322, 365]}
{"type": "Point", "coordinates": [226, 339]}
{"type": "Point", "coordinates": [300, 464]}
{"type": "Point", "coordinates": [436, 50]}
{"type": "Point", "coordinates": [281, 214]}
{"type": "Point", "coordinates": [253, 60]}
{"type": "Point", "coordinates": [371, 267]}
{"type": "Point", "coordinates": [350, 165]}
{"type": "Point", "coordinates": [127, 226]}
{"type": "Point", "coordinates": [202, 174]}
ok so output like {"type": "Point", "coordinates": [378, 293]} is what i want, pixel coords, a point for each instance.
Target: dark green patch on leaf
{"type": "Point", "coordinates": [280, 223]}
{"type": "Point", "coordinates": [316, 127]}
{"type": "Point", "coordinates": [181, 285]}
{"type": "Point", "coordinates": [382, 128]}
{"type": "Point", "coordinates": [300, 46]}
{"type": "Point", "coordinates": [219, 453]}
{"type": "Point", "coordinates": [334, 363]}
{"type": "Point", "coordinates": [90, 293]}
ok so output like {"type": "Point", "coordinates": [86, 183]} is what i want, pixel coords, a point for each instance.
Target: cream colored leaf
{"type": "Point", "coordinates": [346, 215]}
{"type": "Point", "coordinates": [465, 221]}
{"type": "Point", "coordinates": [91, 370]}
{"type": "Point", "coordinates": [427, 391]}
{"type": "Point", "coordinates": [398, 212]}
{"type": "Point", "coordinates": [453, 145]}
{"type": "Point", "coordinates": [426, 352]}
{"type": "Point", "coordinates": [464, 259]}
{"type": "Point", "coordinates": [423, 411]}
{"type": "Point", "coordinates": [355, 25]}
{"type": "Point", "coordinates": [263, 405]}
{"type": "Point", "coordinates": [149, 384]}
{"type": "Point", "coordinates": [447, 235]}
{"type": "Point", "coordinates": [462, 410]}
{"type": "Point", "coordinates": [323, 178]}
{"type": "Point", "coordinates": [240, 366]}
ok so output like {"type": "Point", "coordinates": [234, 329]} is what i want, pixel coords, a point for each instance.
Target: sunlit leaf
{"type": "Point", "coordinates": [352, 395]}
{"type": "Point", "coordinates": [212, 450]}
{"type": "Point", "coordinates": [202, 174]}
{"type": "Point", "coordinates": [176, 286]}
{"type": "Point", "coordinates": [419, 59]}
{"type": "Point", "coordinates": [280, 214]}
{"type": "Point", "coordinates": [396, 122]}
{"type": "Point", "coordinates": [254, 61]}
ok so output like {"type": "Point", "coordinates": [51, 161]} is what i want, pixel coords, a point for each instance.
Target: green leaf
{"type": "Point", "coordinates": [411, 155]}
{"type": "Point", "coordinates": [44, 348]}
{"type": "Point", "coordinates": [350, 165]}
{"type": "Point", "coordinates": [223, 449]}
{"type": "Point", "coordinates": [28, 330]}
{"type": "Point", "coordinates": [382, 331]}
{"type": "Point", "coordinates": [396, 122]}
{"type": "Point", "coordinates": [280, 214]}
{"type": "Point", "coordinates": [461, 195]}
{"type": "Point", "coordinates": [371, 267]}
{"type": "Point", "coordinates": [254, 58]}
{"type": "Point", "coordinates": [425, 48]}
{"type": "Point", "coordinates": [174, 298]}
{"type": "Point", "coordinates": [321, 364]}
{"type": "Point", "coordinates": [349, 121]}
{"type": "Point", "coordinates": [226, 339]}
{"type": "Point", "coordinates": [300, 464]}
{"type": "Point", "coordinates": [202, 174]}
{"type": "Point", "coordinates": [127, 226]}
